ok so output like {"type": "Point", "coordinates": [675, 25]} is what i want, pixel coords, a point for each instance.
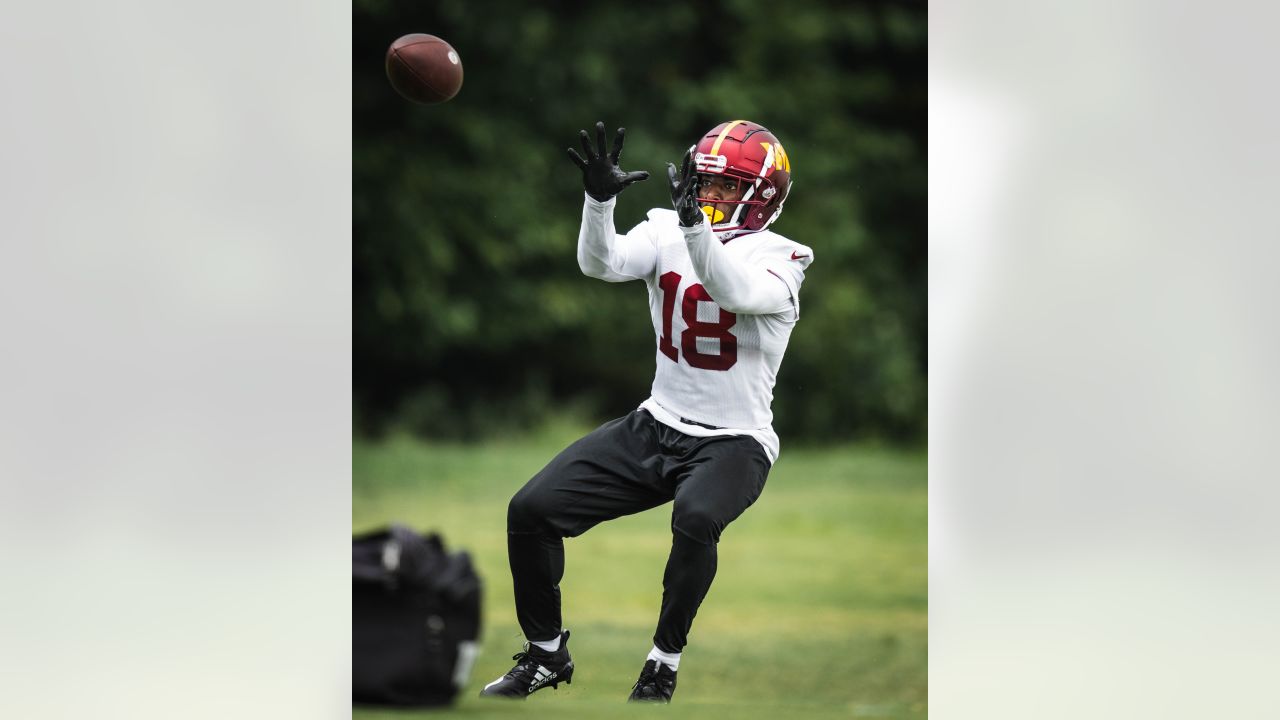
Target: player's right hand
{"type": "Point", "coordinates": [601, 176]}
{"type": "Point", "coordinates": [684, 193]}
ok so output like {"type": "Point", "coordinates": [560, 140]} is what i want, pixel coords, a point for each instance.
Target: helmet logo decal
{"type": "Point", "coordinates": [780, 159]}
{"type": "Point", "coordinates": [768, 192]}
{"type": "Point", "coordinates": [711, 163]}
{"type": "Point", "coordinates": [766, 167]}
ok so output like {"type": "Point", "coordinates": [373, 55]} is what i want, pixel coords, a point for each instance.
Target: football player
{"type": "Point", "coordinates": [724, 295]}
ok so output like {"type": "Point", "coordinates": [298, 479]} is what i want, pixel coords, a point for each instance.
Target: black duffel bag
{"type": "Point", "coordinates": [415, 619]}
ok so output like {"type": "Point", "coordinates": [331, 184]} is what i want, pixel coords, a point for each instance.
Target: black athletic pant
{"type": "Point", "coordinates": [623, 467]}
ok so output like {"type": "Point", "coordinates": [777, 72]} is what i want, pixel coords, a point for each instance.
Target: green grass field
{"type": "Point", "coordinates": [819, 607]}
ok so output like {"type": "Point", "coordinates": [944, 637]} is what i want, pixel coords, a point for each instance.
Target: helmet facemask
{"type": "Point", "coordinates": [754, 200]}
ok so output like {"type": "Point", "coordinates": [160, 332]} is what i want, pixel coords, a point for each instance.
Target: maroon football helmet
{"type": "Point", "coordinates": [753, 155]}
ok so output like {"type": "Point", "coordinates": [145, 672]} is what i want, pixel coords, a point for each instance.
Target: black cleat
{"type": "Point", "coordinates": [656, 684]}
{"type": "Point", "coordinates": [535, 669]}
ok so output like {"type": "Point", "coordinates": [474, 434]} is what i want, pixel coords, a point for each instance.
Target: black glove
{"type": "Point", "coordinates": [601, 176]}
{"type": "Point", "coordinates": [684, 193]}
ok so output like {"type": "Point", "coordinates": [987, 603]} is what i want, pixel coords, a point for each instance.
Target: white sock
{"type": "Point", "coordinates": [551, 645]}
{"type": "Point", "coordinates": [671, 660]}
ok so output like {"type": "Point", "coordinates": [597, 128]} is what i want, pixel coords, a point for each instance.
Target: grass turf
{"type": "Point", "coordinates": [819, 607]}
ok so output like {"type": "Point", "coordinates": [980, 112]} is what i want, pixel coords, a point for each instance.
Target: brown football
{"type": "Point", "coordinates": [424, 68]}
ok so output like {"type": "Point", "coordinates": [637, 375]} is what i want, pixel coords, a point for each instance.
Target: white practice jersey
{"type": "Point", "coordinates": [722, 314]}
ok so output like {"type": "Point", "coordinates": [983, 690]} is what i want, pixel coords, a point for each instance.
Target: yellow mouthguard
{"type": "Point", "coordinates": [715, 215]}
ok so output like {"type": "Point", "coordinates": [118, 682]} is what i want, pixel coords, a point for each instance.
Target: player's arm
{"type": "Point", "coordinates": [735, 285]}
{"type": "Point", "coordinates": [602, 253]}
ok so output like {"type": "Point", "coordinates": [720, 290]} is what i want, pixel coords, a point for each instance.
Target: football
{"type": "Point", "coordinates": [423, 68]}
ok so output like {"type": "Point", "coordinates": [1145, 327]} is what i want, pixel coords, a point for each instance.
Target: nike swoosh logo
{"type": "Point", "coordinates": [795, 256]}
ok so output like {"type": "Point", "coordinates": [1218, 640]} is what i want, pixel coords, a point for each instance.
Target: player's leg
{"type": "Point", "coordinates": [723, 479]}
{"type": "Point", "coordinates": [727, 476]}
{"type": "Point", "coordinates": [612, 471]}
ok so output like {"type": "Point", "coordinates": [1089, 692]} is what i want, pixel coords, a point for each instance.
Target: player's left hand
{"type": "Point", "coordinates": [684, 193]}
{"type": "Point", "coordinates": [601, 176]}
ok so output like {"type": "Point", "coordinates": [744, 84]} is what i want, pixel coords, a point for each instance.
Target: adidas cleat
{"type": "Point", "coordinates": [535, 669]}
